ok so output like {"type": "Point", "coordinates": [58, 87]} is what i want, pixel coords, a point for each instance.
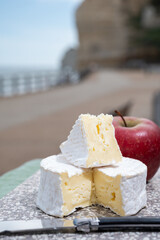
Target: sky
{"type": "Point", "coordinates": [36, 32]}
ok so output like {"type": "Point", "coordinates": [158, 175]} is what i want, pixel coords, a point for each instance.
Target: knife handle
{"type": "Point", "coordinates": [129, 220]}
{"type": "Point", "coordinates": [118, 224]}
{"type": "Point", "coordinates": [129, 224]}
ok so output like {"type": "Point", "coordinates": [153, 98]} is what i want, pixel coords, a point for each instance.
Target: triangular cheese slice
{"type": "Point", "coordinates": [92, 142]}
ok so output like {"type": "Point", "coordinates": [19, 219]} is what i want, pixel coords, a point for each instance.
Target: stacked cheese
{"type": "Point", "coordinates": [91, 170]}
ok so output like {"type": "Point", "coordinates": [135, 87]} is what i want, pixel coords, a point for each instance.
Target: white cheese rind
{"type": "Point", "coordinates": [75, 149]}
{"type": "Point", "coordinates": [133, 192]}
{"type": "Point", "coordinates": [128, 167]}
{"type": "Point", "coordinates": [50, 198]}
{"type": "Point", "coordinates": [58, 164]}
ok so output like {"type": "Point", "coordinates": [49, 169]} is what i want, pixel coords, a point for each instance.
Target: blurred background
{"type": "Point", "coordinates": [61, 58]}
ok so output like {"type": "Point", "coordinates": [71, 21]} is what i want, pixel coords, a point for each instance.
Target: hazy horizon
{"type": "Point", "coordinates": [36, 33]}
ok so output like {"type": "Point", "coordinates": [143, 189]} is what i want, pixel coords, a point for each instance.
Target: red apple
{"type": "Point", "coordinates": [139, 140]}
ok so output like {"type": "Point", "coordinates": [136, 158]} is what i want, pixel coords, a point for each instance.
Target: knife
{"type": "Point", "coordinates": [81, 225]}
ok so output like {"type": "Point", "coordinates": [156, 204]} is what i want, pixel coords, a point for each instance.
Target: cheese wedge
{"type": "Point", "coordinates": [63, 187]}
{"type": "Point", "coordinates": [122, 188]}
{"type": "Point", "coordinates": [92, 142]}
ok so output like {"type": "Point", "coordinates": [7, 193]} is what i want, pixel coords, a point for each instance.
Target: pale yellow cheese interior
{"type": "Point", "coordinates": [77, 191]}
{"type": "Point", "coordinates": [103, 147]}
{"type": "Point", "coordinates": [108, 192]}
{"type": "Point", "coordinates": [91, 187]}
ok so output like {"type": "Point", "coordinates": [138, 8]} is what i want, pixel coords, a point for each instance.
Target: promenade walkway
{"type": "Point", "coordinates": [33, 126]}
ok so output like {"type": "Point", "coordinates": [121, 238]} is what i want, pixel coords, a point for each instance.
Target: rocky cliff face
{"type": "Point", "coordinates": [104, 31]}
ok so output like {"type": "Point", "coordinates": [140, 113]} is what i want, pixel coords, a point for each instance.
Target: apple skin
{"type": "Point", "coordinates": [139, 140]}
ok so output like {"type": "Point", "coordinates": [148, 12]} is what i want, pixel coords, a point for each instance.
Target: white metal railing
{"type": "Point", "coordinates": [27, 82]}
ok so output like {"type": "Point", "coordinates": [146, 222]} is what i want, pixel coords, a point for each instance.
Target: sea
{"type": "Point", "coordinates": [23, 80]}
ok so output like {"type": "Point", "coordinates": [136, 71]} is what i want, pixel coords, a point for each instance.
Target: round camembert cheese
{"type": "Point", "coordinates": [64, 187]}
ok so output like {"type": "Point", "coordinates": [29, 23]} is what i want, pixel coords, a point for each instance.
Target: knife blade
{"type": "Point", "coordinates": [37, 225]}
{"type": "Point", "coordinates": [81, 225]}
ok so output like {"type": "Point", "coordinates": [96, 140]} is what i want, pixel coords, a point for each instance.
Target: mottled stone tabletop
{"type": "Point", "coordinates": [20, 205]}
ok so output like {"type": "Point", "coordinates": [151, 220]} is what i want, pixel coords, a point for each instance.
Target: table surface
{"type": "Point", "coordinates": [20, 205]}
{"type": "Point", "coordinates": [13, 178]}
